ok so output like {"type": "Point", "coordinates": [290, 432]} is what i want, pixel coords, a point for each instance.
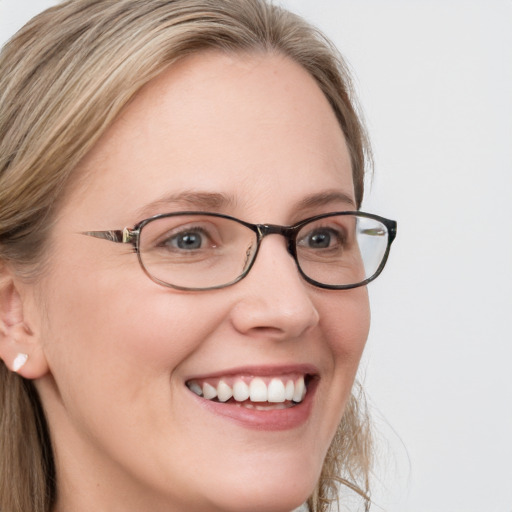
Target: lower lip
{"type": "Point", "coordinates": [273, 419]}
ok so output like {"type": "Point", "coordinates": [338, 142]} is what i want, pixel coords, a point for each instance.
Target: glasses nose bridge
{"type": "Point", "coordinates": [289, 234]}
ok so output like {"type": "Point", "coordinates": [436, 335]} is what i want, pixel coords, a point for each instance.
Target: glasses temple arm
{"type": "Point", "coordinates": [119, 236]}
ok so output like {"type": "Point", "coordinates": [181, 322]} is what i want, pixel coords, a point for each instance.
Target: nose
{"type": "Point", "coordinates": [275, 301]}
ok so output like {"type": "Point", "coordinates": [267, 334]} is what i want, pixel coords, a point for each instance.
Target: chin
{"type": "Point", "coordinates": [272, 487]}
{"type": "Point", "coordinates": [261, 499]}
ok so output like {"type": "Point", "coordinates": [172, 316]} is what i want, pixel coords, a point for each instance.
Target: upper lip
{"type": "Point", "coordinates": [259, 371]}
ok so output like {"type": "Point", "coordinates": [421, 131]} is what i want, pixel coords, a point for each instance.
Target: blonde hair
{"type": "Point", "coordinates": [63, 79]}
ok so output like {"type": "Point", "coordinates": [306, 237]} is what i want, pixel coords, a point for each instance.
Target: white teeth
{"type": "Point", "coordinates": [224, 392]}
{"type": "Point", "coordinates": [276, 391]}
{"type": "Point", "coordinates": [258, 390]}
{"type": "Point", "coordinates": [209, 392]}
{"type": "Point", "coordinates": [289, 389]}
{"type": "Point", "coordinates": [196, 388]}
{"type": "Point", "coordinates": [300, 388]}
{"type": "Point", "coordinates": [240, 391]}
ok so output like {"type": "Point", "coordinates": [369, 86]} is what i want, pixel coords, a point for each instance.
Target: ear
{"type": "Point", "coordinates": [20, 345]}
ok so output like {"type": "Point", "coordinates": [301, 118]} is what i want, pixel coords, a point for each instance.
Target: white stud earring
{"type": "Point", "coordinates": [19, 361]}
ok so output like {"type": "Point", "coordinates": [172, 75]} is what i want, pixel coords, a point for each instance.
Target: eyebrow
{"type": "Point", "coordinates": [327, 197]}
{"type": "Point", "coordinates": [215, 201]}
{"type": "Point", "coordinates": [188, 199]}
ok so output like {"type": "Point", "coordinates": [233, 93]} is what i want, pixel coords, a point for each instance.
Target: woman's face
{"type": "Point", "coordinates": [251, 136]}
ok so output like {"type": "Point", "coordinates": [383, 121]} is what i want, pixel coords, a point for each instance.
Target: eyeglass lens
{"type": "Point", "coordinates": [200, 251]}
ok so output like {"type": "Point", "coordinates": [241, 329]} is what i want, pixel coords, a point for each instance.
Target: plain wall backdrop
{"type": "Point", "coordinates": [435, 82]}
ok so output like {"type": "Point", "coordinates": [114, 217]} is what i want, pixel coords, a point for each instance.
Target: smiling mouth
{"type": "Point", "coordinates": [252, 392]}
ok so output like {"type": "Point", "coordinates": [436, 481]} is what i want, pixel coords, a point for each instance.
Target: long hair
{"type": "Point", "coordinates": [64, 78]}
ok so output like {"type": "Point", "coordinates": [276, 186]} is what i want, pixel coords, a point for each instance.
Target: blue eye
{"type": "Point", "coordinates": [319, 239]}
{"type": "Point", "coordinates": [187, 240]}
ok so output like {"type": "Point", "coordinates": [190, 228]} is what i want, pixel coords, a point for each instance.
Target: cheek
{"type": "Point", "coordinates": [106, 332]}
{"type": "Point", "coordinates": [346, 323]}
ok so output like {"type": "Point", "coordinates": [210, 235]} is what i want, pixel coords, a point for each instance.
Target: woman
{"type": "Point", "coordinates": [183, 267]}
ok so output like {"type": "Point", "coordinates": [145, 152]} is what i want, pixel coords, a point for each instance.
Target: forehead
{"type": "Point", "coordinates": [249, 126]}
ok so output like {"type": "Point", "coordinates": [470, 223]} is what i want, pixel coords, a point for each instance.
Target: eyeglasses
{"type": "Point", "coordinates": [206, 251]}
